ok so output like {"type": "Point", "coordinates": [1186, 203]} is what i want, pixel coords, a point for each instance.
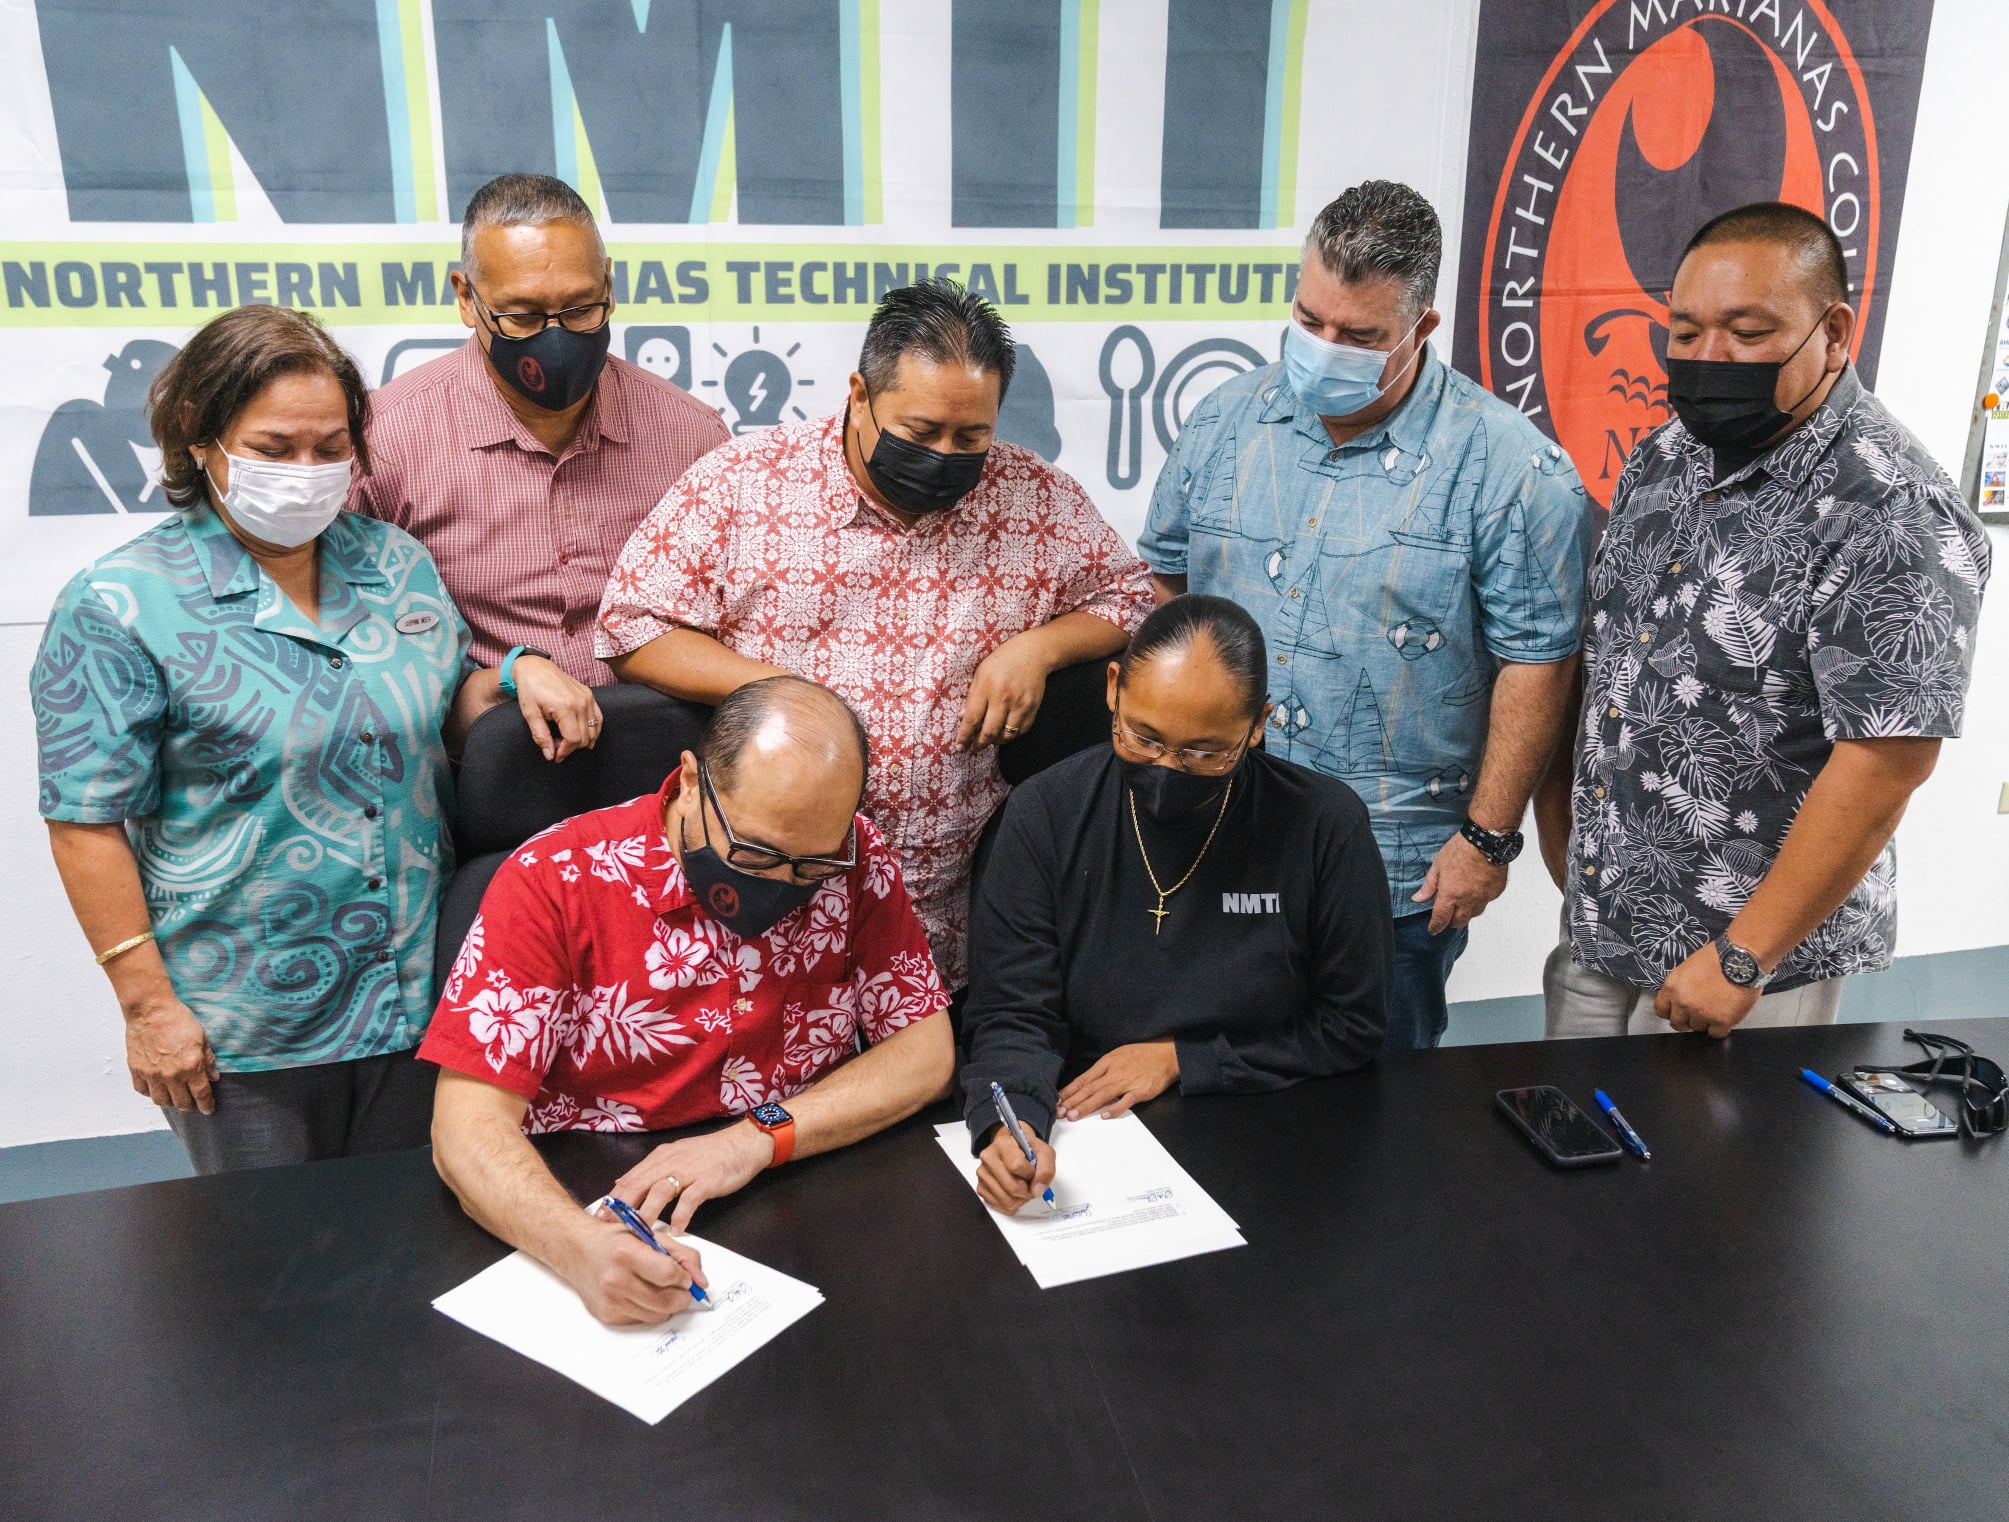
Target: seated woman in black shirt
{"type": "Point", "coordinates": [1176, 907]}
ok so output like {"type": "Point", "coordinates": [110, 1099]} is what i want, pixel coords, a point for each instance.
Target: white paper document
{"type": "Point", "coordinates": [1123, 1202]}
{"type": "Point", "coordinates": [646, 1370]}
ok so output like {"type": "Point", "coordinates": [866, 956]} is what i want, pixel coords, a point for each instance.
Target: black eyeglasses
{"type": "Point", "coordinates": [590, 318]}
{"type": "Point", "coordinates": [1984, 1091]}
{"type": "Point", "coordinates": [757, 858]}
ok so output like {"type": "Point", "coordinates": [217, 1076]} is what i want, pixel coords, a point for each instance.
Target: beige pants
{"type": "Point", "coordinates": [1586, 1003]}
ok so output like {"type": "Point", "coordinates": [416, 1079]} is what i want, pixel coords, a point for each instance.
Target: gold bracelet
{"type": "Point", "coordinates": [124, 946]}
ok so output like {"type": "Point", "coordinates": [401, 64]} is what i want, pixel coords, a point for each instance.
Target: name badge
{"type": "Point", "coordinates": [416, 623]}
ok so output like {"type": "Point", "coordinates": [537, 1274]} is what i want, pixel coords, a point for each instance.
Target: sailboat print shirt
{"type": "Point", "coordinates": [1826, 591]}
{"type": "Point", "coordinates": [1392, 575]}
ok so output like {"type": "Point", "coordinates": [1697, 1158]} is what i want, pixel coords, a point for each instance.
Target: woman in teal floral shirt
{"type": "Point", "coordinates": [243, 718]}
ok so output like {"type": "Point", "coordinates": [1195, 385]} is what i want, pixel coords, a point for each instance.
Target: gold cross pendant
{"type": "Point", "coordinates": [1159, 916]}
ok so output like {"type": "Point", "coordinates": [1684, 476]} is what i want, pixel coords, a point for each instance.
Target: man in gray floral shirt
{"type": "Point", "coordinates": [1782, 619]}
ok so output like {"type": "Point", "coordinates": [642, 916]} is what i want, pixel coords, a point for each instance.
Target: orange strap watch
{"type": "Point", "coordinates": [780, 1125]}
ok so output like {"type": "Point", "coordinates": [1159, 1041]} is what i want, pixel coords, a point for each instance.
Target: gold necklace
{"type": "Point", "coordinates": [1161, 911]}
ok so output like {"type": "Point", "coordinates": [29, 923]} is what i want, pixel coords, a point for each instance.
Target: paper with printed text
{"type": "Point", "coordinates": [1123, 1202]}
{"type": "Point", "coordinates": [648, 1371]}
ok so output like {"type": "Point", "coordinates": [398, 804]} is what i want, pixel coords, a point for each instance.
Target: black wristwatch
{"type": "Point", "coordinates": [1739, 966]}
{"type": "Point", "coordinates": [1499, 847]}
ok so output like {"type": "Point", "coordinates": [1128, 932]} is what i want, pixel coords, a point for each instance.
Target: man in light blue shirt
{"type": "Point", "coordinates": [1414, 550]}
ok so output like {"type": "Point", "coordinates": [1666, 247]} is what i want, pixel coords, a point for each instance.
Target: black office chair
{"type": "Point", "coordinates": [507, 791]}
{"type": "Point", "coordinates": [1073, 716]}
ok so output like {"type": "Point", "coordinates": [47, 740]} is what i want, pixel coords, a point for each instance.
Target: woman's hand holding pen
{"type": "Point", "coordinates": [1005, 1179]}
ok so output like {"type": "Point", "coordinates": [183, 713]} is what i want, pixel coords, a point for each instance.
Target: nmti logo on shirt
{"type": "Point", "coordinates": [1251, 903]}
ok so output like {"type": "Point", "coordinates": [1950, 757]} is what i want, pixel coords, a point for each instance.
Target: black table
{"type": "Point", "coordinates": [1786, 1314]}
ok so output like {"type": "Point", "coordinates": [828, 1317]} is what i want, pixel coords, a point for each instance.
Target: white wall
{"type": "Point", "coordinates": [66, 1076]}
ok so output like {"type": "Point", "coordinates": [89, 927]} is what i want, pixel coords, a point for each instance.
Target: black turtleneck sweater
{"type": "Point", "coordinates": [1273, 963]}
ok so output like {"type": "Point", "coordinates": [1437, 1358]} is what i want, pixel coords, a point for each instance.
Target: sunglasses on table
{"type": "Point", "coordinates": [1984, 1091]}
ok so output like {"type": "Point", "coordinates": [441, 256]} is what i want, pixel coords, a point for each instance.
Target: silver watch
{"type": "Point", "coordinates": [1739, 966]}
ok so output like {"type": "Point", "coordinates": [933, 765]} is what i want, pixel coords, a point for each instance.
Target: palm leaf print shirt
{"type": "Point", "coordinates": [1826, 591]}
{"type": "Point", "coordinates": [1392, 575]}
{"type": "Point", "coordinates": [283, 782]}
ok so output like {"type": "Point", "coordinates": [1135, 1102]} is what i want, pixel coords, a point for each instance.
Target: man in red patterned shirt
{"type": "Point", "coordinates": [738, 945]}
{"type": "Point", "coordinates": [525, 459]}
{"type": "Point", "coordinates": [898, 554]}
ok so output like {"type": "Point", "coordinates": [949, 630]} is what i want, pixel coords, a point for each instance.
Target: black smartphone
{"type": "Point", "coordinates": [1901, 1102]}
{"type": "Point", "coordinates": [1560, 1131]}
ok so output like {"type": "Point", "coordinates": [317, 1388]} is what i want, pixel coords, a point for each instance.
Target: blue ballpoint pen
{"type": "Point", "coordinates": [1011, 1124]}
{"type": "Point", "coordinates": [1849, 1101]}
{"type": "Point", "coordinates": [1632, 1138]}
{"type": "Point", "coordinates": [629, 1217]}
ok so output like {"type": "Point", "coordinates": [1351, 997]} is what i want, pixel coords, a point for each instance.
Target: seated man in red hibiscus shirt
{"type": "Point", "coordinates": [720, 949]}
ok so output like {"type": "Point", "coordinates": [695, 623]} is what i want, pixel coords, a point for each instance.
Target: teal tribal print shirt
{"type": "Point", "coordinates": [283, 783]}
{"type": "Point", "coordinates": [1392, 575]}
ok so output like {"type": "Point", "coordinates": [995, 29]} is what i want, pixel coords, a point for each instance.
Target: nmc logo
{"type": "Point", "coordinates": [1648, 118]}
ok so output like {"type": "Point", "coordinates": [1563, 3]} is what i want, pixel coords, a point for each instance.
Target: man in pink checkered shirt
{"type": "Point", "coordinates": [900, 556]}
{"type": "Point", "coordinates": [525, 459]}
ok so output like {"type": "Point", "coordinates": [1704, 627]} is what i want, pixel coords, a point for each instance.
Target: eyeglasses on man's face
{"type": "Point", "coordinates": [1202, 762]}
{"type": "Point", "coordinates": [590, 318]}
{"type": "Point", "coordinates": [750, 857]}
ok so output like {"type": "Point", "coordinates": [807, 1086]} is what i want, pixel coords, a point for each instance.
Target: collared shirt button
{"type": "Point", "coordinates": [374, 883]}
{"type": "Point", "coordinates": [1295, 594]}
{"type": "Point", "coordinates": [337, 662]}
{"type": "Point", "coordinates": [384, 955]}
{"type": "Point", "coordinates": [1645, 637]}
{"type": "Point", "coordinates": [1332, 457]}
{"type": "Point", "coordinates": [1590, 871]}
{"type": "Point", "coordinates": [1311, 523]}
{"type": "Point", "coordinates": [1283, 660]}
{"type": "Point", "coordinates": [1710, 496]}
{"type": "Point", "coordinates": [369, 737]}
{"type": "Point", "coordinates": [370, 811]}
{"type": "Point", "coordinates": [564, 557]}
{"type": "Point", "coordinates": [1674, 569]}
{"type": "Point", "coordinates": [1599, 791]}
{"type": "Point", "coordinates": [1612, 712]}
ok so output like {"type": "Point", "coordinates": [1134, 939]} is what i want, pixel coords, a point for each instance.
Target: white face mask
{"type": "Point", "coordinates": [282, 504]}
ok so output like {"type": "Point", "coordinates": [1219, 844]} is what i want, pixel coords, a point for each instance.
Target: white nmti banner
{"type": "Point", "coordinates": [1127, 179]}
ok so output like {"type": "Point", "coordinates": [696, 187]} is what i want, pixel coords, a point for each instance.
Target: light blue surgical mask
{"type": "Point", "coordinates": [1337, 380]}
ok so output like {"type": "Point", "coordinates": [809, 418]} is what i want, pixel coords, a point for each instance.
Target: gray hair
{"type": "Point", "coordinates": [522, 200]}
{"type": "Point", "coordinates": [1381, 229]}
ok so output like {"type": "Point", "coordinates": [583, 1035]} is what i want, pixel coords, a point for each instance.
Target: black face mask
{"type": "Point", "coordinates": [747, 905]}
{"type": "Point", "coordinates": [556, 368]}
{"type": "Point", "coordinates": [1729, 403]}
{"type": "Point", "coordinates": [917, 479]}
{"type": "Point", "coordinates": [1166, 795]}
